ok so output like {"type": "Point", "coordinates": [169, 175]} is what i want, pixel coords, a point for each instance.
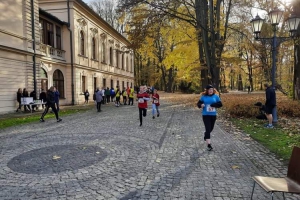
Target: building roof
{"type": "Point", "coordinates": [89, 9]}
{"type": "Point", "coordinates": [52, 17]}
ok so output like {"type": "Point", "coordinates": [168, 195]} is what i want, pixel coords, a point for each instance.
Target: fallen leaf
{"type": "Point", "coordinates": [235, 167]}
{"type": "Point", "coordinates": [55, 157]}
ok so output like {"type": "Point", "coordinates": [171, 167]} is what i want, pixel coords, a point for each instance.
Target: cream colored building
{"type": "Point", "coordinates": [75, 50]}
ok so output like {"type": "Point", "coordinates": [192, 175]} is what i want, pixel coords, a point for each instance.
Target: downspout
{"type": "Point", "coordinates": [71, 51]}
{"type": "Point", "coordinates": [33, 46]}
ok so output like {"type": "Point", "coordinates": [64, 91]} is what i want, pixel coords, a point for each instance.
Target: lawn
{"type": "Point", "coordinates": [13, 120]}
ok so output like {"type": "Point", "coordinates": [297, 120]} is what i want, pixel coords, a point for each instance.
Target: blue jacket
{"type": "Point", "coordinates": [56, 96]}
{"type": "Point", "coordinates": [211, 103]}
{"type": "Point", "coordinates": [98, 96]}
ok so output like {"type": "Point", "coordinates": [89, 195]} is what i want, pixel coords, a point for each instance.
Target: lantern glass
{"type": "Point", "coordinates": [293, 23]}
{"type": "Point", "coordinates": [257, 23]}
{"type": "Point", "coordinates": [275, 16]}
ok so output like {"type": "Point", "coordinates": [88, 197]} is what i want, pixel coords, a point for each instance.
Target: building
{"type": "Point", "coordinates": [74, 49]}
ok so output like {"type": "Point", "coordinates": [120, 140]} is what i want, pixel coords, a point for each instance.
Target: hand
{"type": "Point", "coordinates": [202, 105]}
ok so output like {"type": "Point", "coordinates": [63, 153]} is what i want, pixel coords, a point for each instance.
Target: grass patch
{"type": "Point", "coordinates": [276, 140]}
{"type": "Point", "coordinates": [16, 121]}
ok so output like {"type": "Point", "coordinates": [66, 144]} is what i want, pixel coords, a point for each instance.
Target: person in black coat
{"type": "Point", "coordinates": [25, 94]}
{"type": "Point", "coordinates": [50, 103]}
{"type": "Point", "coordinates": [33, 95]}
{"type": "Point", "coordinates": [19, 96]}
{"type": "Point", "coordinates": [43, 97]}
{"type": "Point", "coordinates": [270, 104]}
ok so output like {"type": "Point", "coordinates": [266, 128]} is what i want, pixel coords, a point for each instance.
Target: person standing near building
{"type": "Point", "coordinates": [131, 96]}
{"type": "Point", "coordinates": [155, 104]}
{"type": "Point", "coordinates": [209, 101]}
{"type": "Point", "coordinates": [118, 97]}
{"type": "Point", "coordinates": [56, 98]}
{"type": "Point", "coordinates": [112, 94]}
{"type": "Point", "coordinates": [26, 94]}
{"type": "Point", "coordinates": [103, 95]}
{"type": "Point", "coordinates": [86, 96]}
{"type": "Point", "coordinates": [143, 97]}
{"type": "Point", "coordinates": [98, 99]}
{"type": "Point", "coordinates": [270, 104]}
{"type": "Point", "coordinates": [19, 96]}
{"type": "Point", "coordinates": [107, 94]}
{"type": "Point", "coordinates": [124, 95]}
{"type": "Point", "coordinates": [33, 95]}
{"type": "Point", "coordinates": [43, 97]}
{"type": "Point", "coordinates": [50, 104]}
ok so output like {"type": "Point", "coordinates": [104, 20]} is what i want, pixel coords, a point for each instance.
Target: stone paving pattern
{"type": "Point", "coordinates": [107, 155]}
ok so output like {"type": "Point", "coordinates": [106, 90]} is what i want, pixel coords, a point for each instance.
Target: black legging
{"type": "Point", "coordinates": [52, 106]}
{"type": "Point", "coordinates": [142, 112]}
{"type": "Point", "coordinates": [209, 123]}
{"type": "Point", "coordinates": [99, 106]}
{"type": "Point", "coordinates": [130, 100]}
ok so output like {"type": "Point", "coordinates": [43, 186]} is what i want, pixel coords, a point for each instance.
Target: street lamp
{"type": "Point", "coordinates": [275, 18]}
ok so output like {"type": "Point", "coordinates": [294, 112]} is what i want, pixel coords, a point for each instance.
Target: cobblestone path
{"type": "Point", "coordinates": [107, 155]}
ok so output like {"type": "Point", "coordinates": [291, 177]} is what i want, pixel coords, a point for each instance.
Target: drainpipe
{"type": "Point", "coordinates": [71, 51]}
{"type": "Point", "coordinates": [33, 46]}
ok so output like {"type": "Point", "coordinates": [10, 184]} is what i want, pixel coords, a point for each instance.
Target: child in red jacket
{"type": "Point", "coordinates": [155, 104]}
{"type": "Point", "coordinates": [142, 97]}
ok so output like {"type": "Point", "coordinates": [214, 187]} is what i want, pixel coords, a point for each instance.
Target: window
{"type": "Point", "coordinates": [127, 64]}
{"type": "Point", "coordinates": [131, 65]}
{"type": "Point", "coordinates": [58, 82]}
{"type": "Point", "coordinates": [111, 56]}
{"type": "Point", "coordinates": [123, 61]}
{"type": "Point", "coordinates": [47, 32]}
{"type": "Point", "coordinates": [95, 83]}
{"type": "Point", "coordinates": [118, 84]}
{"type": "Point", "coordinates": [131, 84]}
{"type": "Point", "coordinates": [111, 83]}
{"type": "Point", "coordinates": [103, 52]}
{"type": "Point", "coordinates": [123, 84]}
{"type": "Point", "coordinates": [93, 48]}
{"type": "Point", "coordinates": [127, 84]}
{"type": "Point", "coordinates": [104, 82]}
{"type": "Point", "coordinates": [117, 59]}
{"type": "Point", "coordinates": [83, 84]}
{"type": "Point", "coordinates": [81, 43]}
{"type": "Point", "coordinates": [58, 37]}
{"type": "Point", "coordinates": [44, 79]}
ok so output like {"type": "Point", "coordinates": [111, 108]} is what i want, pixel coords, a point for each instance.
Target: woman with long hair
{"type": "Point", "coordinates": [209, 101]}
{"type": "Point", "coordinates": [19, 96]}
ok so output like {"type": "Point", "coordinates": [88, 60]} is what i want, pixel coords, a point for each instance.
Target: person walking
{"type": "Point", "coordinates": [86, 96]}
{"type": "Point", "coordinates": [124, 95]}
{"type": "Point", "coordinates": [50, 104]}
{"type": "Point", "coordinates": [19, 96]}
{"type": "Point", "coordinates": [56, 98]}
{"type": "Point", "coordinates": [131, 96]}
{"type": "Point", "coordinates": [155, 104]}
{"type": "Point", "coordinates": [43, 97]}
{"type": "Point", "coordinates": [118, 97]}
{"type": "Point", "coordinates": [98, 99]}
{"type": "Point", "coordinates": [107, 94]}
{"type": "Point", "coordinates": [270, 104]}
{"type": "Point", "coordinates": [143, 97]}
{"type": "Point", "coordinates": [112, 95]}
{"type": "Point", "coordinates": [209, 101]}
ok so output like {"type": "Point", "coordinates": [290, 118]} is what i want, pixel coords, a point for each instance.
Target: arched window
{"type": "Point", "coordinates": [117, 58]}
{"type": "Point", "coordinates": [111, 56]}
{"type": "Point", "coordinates": [103, 52]}
{"type": "Point", "coordinates": [131, 65]}
{"type": "Point", "coordinates": [122, 60]}
{"type": "Point", "coordinates": [44, 79]}
{"type": "Point", "coordinates": [81, 43]}
{"type": "Point", "coordinates": [127, 64]}
{"type": "Point", "coordinates": [58, 82]}
{"type": "Point", "coordinates": [93, 48]}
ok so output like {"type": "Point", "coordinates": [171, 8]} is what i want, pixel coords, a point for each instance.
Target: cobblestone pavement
{"type": "Point", "coordinates": [107, 155]}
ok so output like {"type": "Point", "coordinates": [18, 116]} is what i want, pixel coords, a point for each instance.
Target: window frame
{"type": "Point", "coordinates": [81, 42]}
{"type": "Point", "coordinates": [59, 82]}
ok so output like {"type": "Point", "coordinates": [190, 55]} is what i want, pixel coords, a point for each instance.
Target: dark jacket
{"type": "Point", "coordinates": [50, 97]}
{"type": "Point", "coordinates": [43, 96]}
{"type": "Point", "coordinates": [33, 95]}
{"type": "Point", "coordinates": [19, 96]}
{"type": "Point", "coordinates": [56, 96]}
{"type": "Point", "coordinates": [270, 97]}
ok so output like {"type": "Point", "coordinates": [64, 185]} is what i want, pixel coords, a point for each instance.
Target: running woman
{"type": "Point", "coordinates": [118, 97]}
{"type": "Point", "coordinates": [209, 101]}
{"type": "Point", "coordinates": [155, 103]}
{"type": "Point", "coordinates": [143, 97]}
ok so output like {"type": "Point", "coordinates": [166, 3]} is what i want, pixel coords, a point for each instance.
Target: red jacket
{"type": "Point", "coordinates": [142, 103]}
{"type": "Point", "coordinates": [155, 99]}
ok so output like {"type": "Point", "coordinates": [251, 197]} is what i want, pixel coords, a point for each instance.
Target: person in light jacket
{"type": "Point", "coordinates": [98, 99]}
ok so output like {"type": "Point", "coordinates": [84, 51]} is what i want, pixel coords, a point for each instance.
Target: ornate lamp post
{"type": "Point", "coordinates": [275, 18]}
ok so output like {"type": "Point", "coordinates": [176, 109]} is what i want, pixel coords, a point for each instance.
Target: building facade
{"type": "Point", "coordinates": [71, 48]}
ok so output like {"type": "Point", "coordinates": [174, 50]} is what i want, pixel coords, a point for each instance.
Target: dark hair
{"type": "Point", "coordinates": [266, 85]}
